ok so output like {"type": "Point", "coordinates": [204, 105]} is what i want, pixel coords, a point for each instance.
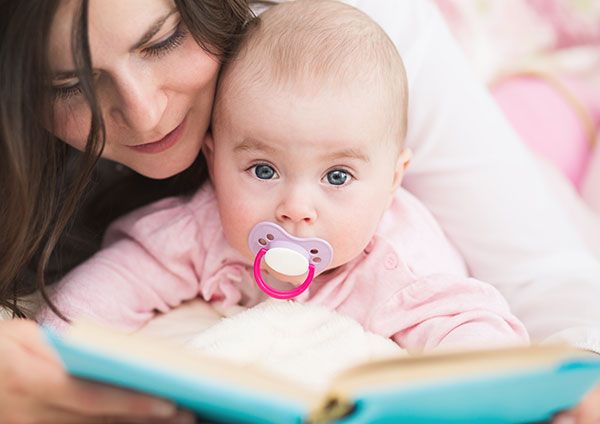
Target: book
{"type": "Point", "coordinates": [506, 385]}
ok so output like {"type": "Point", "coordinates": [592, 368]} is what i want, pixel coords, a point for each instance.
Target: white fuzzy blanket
{"type": "Point", "coordinates": [305, 343]}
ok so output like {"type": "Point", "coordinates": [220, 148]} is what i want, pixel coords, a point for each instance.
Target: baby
{"type": "Point", "coordinates": [307, 133]}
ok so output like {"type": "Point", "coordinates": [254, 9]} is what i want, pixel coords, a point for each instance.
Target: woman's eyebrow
{"type": "Point", "coordinates": [156, 26]}
{"type": "Point", "coordinates": [64, 75]}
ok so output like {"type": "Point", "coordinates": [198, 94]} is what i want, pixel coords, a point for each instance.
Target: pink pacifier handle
{"type": "Point", "coordinates": [279, 294]}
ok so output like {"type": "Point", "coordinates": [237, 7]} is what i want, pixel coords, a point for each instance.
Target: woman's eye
{"type": "Point", "coordinates": [163, 47]}
{"type": "Point", "coordinates": [65, 93]}
{"type": "Point", "coordinates": [264, 172]}
{"type": "Point", "coordinates": [337, 177]}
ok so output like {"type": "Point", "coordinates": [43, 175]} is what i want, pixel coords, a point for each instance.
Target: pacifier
{"type": "Point", "coordinates": [287, 255]}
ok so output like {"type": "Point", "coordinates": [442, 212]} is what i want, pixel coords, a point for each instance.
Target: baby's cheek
{"type": "Point", "coordinates": [348, 244]}
{"type": "Point", "coordinates": [237, 222]}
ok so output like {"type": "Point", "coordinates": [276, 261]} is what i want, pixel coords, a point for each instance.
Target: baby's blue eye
{"type": "Point", "coordinates": [264, 172]}
{"type": "Point", "coordinates": [337, 177]}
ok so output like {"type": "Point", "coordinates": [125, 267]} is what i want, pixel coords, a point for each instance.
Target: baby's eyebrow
{"type": "Point", "coordinates": [348, 153]}
{"type": "Point", "coordinates": [250, 144]}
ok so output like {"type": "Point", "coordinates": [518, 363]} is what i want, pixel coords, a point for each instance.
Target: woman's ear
{"type": "Point", "coordinates": [208, 150]}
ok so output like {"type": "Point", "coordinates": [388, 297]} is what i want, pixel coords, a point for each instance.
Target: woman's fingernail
{"type": "Point", "coordinates": [184, 417]}
{"type": "Point", "coordinates": [164, 409]}
{"type": "Point", "coordinates": [564, 418]}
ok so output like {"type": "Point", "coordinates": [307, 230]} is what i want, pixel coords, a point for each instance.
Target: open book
{"type": "Point", "coordinates": [513, 385]}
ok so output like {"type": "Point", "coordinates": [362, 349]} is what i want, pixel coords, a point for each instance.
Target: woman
{"type": "Point", "coordinates": [154, 92]}
{"type": "Point", "coordinates": [136, 87]}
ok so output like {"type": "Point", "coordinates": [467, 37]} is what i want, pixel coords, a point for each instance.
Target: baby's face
{"type": "Point", "coordinates": [317, 165]}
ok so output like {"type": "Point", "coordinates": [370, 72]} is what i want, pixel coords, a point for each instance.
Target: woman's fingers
{"type": "Point", "coordinates": [60, 390]}
{"type": "Point", "coordinates": [67, 417]}
{"type": "Point", "coordinates": [97, 399]}
{"type": "Point", "coordinates": [34, 386]}
{"type": "Point", "coordinates": [26, 335]}
{"type": "Point", "coordinates": [587, 412]}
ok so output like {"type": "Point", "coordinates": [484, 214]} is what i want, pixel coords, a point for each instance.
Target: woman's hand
{"type": "Point", "coordinates": [587, 412]}
{"type": "Point", "coordinates": [35, 388]}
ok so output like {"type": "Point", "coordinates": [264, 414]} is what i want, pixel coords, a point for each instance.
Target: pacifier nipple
{"type": "Point", "coordinates": [287, 255]}
{"type": "Point", "coordinates": [286, 261]}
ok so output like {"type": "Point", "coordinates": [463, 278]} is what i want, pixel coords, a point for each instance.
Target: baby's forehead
{"type": "Point", "coordinates": [327, 117]}
{"type": "Point", "coordinates": [241, 91]}
{"type": "Point", "coordinates": [294, 89]}
{"type": "Point", "coordinates": [245, 79]}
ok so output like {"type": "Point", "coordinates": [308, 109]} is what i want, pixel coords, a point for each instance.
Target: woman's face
{"type": "Point", "coordinates": [154, 83]}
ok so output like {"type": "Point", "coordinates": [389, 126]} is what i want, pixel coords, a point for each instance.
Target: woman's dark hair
{"type": "Point", "coordinates": [42, 180]}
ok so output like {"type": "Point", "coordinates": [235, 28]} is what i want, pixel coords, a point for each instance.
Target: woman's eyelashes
{"type": "Point", "coordinates": [66, 92]}
{"type": "Point", "coordinates": [163, 47]}
{"type": "Point", "coordinates": [156, 50]}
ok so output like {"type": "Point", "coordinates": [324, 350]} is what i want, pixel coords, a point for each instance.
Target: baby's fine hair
{"type": "Point", "coordinates": [309, 44]}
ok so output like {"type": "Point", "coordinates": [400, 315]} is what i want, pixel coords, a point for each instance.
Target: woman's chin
{"type": "Point", "coordinates": [163, 168]}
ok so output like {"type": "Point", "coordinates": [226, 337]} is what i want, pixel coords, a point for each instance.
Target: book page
{"type": "Point", "coordinates": [157, 353]}
{"type": "Point", "coordinates": [445, 366]}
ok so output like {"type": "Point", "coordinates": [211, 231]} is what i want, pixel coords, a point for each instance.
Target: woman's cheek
{"type": "Point", "coordinates": [192, 68]}
{"type": "Point", "coordinates": [72, 125]}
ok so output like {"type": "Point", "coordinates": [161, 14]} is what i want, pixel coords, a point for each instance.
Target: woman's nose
{"type": "Point", "coordinates": [296, 207]}
{"type": "Point", "coordinates": [140, 102]}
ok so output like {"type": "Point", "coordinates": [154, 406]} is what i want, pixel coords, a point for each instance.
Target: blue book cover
{"type": "Point", "coordinates": [513, 385]}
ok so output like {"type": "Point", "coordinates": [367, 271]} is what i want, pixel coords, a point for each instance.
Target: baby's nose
{"type": "Point", "coordinates": [296, 208]}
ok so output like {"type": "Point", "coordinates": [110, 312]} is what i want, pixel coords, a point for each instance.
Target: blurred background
{"type": "Point", "coordinates": [541, 61]}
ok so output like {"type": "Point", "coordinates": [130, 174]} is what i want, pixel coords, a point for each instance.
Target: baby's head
{"type": "Point", "coordinates": [308, 127]}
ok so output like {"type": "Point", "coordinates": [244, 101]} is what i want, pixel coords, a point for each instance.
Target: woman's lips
{"type": "Point", "coordinates": [164, 143]}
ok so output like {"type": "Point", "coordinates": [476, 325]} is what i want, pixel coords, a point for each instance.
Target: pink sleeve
{"type": "Point", "coordinates": [150, 264]}
{"type": "Point", "coordinates": [447, 312]}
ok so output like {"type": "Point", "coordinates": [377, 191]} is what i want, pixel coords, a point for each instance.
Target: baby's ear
{"type": "Point", "coordinates": [208, 149]}
{"type": "Point", "coordinates": [404, 158]}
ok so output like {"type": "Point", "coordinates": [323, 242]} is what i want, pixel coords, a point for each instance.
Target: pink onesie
{"type": "Point", "coordinates": [408, 284]}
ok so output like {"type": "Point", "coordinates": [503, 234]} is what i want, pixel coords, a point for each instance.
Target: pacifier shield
{"type": "Point", "coordinates": [268, 235]}
{"type": "Point", "coordinates": [287, 255]}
